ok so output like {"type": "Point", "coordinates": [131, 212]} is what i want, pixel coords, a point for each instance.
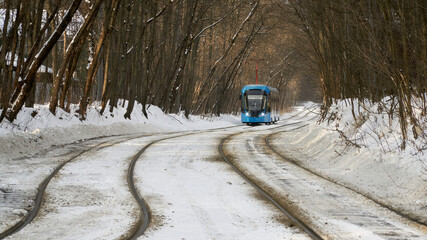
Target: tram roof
{"type": "Point", "coordinates": [266, 88]}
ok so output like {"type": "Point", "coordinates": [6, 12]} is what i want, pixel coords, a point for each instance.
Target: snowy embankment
{"type": "Point", "coordinates": [373, 164]}
{"type": "Point", "coordinates": [29, 135]}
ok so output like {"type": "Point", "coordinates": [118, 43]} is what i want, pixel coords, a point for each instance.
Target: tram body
{"type": "Point", "coordinates": [260, 104]}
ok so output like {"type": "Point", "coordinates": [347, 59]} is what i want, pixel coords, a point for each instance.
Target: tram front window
{"type": "Point", "coordinates": [255, 100]}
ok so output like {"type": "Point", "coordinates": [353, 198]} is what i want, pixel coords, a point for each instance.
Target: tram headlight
{"type": "Point", "coordinates": [262, 114]}
{"type": "Point", "coordinates": [247, 114]}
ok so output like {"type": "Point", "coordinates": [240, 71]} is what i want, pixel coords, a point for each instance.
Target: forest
{"type": "Point", "coordinates": [195, 55]}
{"type": "Point", "coordinates": [183, 55]}
{"type": "Point", "coordinates": [371, 51]}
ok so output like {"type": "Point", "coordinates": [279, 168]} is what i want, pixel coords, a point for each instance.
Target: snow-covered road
{"type": "Point", "coordinates": [191, 192]}
{"type": "Point", "coordinates": [334, 211]}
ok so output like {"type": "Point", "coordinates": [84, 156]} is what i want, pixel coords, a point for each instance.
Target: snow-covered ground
{"type": "Point", "coordinates": [28, 135]}
{"type": "Point", "coordinates": [191, 193]}
{"type": "Point", "coordinates": [32, 146]}
{"type": "Point", "coordinates": [378, 168]}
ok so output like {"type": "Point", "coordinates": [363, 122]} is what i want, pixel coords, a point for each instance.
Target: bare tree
{"type": "Point", "coordinates": [111, 13]}
{"type": "Point", "coordinates": [25, 86]}
{"type": "Point", "coordinates": [71, 53]}
{"type": "Point", "coordinates": [180, 55]}
{"type": "Point", "coordinates": [369, 50]}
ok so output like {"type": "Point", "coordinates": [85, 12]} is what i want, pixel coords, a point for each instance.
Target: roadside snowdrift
{"type": "Point", "coordinates": [36, 129]}
{"type": "Point", "coordinates": [378, 168]}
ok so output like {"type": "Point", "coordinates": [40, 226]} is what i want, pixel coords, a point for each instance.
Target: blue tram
{"type": "Point", "coordinates": [260, 104]}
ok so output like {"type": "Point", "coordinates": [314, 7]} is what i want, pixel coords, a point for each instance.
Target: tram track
{"type": "Point", "coordinates": [297, 164]}
{"type": "Point", "coordinates": [145, 216]}
{"type": "Point", "coordinates": [272, 193]}
{"type": "Point", "coordinates": [265, 193]}
{"type": "Point", "coordinates": [168, 164]}
{"type": "Point", "coordinates": [143, 222]}
{"type": "Point", "coordinates": [38, 199]}
{"type": "Point", "coordinates": [144, 219]}
{"type": "Point", "coordinates": [270, 198]}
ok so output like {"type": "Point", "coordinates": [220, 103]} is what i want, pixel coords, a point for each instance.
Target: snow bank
{"type": "Point", "coordinates": [378, 168]}
{"type": "Point", "coordinates": [36, 129]}
{"type": "Point", "coordinates": [373, 127]}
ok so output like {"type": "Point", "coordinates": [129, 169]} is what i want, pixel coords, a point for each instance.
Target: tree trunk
{"type": "Point", "coordinates": [82, 33]}
{"type": "Point", "coordinates": [108, 25]}
{"type": "Point", "coordinates": [25, 89]}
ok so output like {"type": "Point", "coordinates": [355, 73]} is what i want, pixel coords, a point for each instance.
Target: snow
{"type": "Point", "coordinates": [199, 190]}
{"type": "Point", "coordinates": [392, 176]}
{"type": "Point", "coordinates": [3, 18]}
{"type": "Point", "coordinates": [71, 29]}
{"type": "Point", "coordinates": [42, 68]}
{"type": "Point", "coordinates": [45, 129]}
{"type": "Point", "coordinates": [202, 198]}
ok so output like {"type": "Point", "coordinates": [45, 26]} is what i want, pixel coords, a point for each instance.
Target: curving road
{"type": "Point", "coordinates": [228, 183]}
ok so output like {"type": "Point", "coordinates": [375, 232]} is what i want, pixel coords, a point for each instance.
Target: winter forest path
{"type": "Point", "coordinates": [186, 190]}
